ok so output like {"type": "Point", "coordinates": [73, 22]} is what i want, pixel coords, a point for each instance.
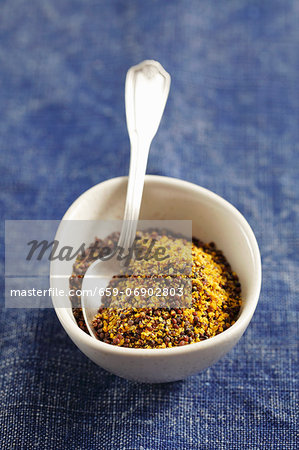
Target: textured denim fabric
{"type": "Point", "coordinates": [231, 125]}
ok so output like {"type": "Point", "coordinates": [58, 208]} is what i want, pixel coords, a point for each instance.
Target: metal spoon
{"type": "Point", "coordinates": [146, 93]}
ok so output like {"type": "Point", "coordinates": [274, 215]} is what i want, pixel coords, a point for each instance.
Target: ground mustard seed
{"type": "Point", "coordinates": [215, 305]}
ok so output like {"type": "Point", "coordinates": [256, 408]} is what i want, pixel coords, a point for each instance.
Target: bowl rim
{"type": "Point", "coordinates": [235, 330]}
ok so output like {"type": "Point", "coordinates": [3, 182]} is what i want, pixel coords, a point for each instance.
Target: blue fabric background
{"type": "Point", "coordinates": [231, 125]}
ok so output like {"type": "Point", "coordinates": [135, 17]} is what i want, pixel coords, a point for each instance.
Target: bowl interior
{"type": "Point", "coordinates": [213, 219]}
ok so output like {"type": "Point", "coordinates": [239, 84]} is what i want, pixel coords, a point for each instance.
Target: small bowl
{"type": "Point", "coordinates": [213, 219]}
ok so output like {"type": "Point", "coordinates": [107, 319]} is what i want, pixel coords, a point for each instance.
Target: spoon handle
{"type": "Point", "coordinates": [146, 92]}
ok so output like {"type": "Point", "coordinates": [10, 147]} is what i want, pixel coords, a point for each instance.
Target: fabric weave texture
{"type": "Point", "coordinates": [230, 125]}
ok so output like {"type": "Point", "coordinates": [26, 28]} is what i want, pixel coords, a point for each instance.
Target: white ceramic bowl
{"type": "Point", "coordinates": [213, 219]}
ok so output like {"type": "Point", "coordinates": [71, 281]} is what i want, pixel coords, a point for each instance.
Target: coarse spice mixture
{"type": "Point", "coordinates": [215, 304]}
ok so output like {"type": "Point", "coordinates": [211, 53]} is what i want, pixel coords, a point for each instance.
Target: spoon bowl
{"type": "Point", "coordinates": [96, 279]}
{"type": "Point", "coordinates": [213, 219]}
